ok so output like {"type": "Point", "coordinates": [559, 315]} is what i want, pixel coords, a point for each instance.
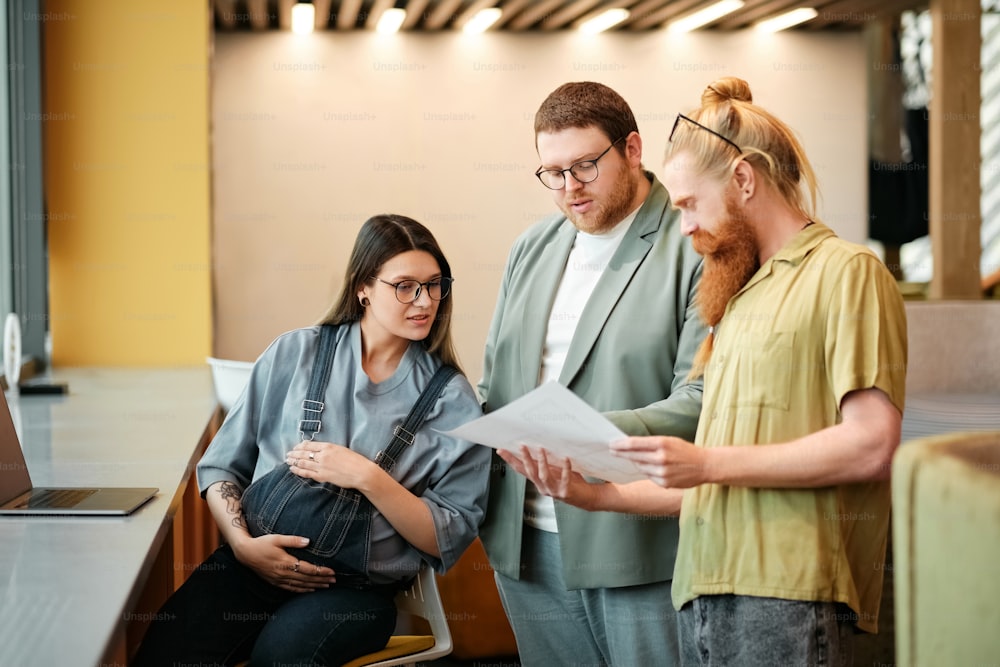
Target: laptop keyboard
{"type": "Point", "coordinates": [58, 497]}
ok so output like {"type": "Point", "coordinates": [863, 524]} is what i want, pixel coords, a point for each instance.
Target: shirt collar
{"type": "Point", "coordinates": [792, 252]}
{"type": "Point", "coordinates": [802, 244]}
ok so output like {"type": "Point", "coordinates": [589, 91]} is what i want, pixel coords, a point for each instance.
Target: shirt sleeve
{"type": "Point", "coordinates": [866, 345]}
{"type": "Point", "coordinates": [456, 496]}
{"type": "Point", "coordinates": [232, 454]}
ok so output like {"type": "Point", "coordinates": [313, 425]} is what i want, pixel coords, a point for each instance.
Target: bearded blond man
{"type": "Point", "coordinates": [784, 522]}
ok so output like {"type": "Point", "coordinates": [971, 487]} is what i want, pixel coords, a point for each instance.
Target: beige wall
{"type": "Point", "coordinates": [313, 134]}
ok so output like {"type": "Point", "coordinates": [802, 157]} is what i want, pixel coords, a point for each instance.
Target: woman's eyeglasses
{"type": "Point", "coordinates": [408, 291]}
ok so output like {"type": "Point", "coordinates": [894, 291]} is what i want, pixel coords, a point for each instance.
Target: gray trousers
{"type": "Point", "coordinates": [724, 630]}
{"type": "Point", "coordinates": [634, 626]}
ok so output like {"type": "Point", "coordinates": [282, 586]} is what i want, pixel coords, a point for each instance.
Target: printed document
{"type": "Point", "coordinates": [553, 418]}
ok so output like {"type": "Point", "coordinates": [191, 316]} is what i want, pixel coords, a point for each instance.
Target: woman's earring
{"type": "Point", "coordinates": [365, 302]}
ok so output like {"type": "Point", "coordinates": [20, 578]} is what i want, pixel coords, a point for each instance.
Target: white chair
{"type": "Point", "coordinates": [421, 600]}
{"type": "Point", "coordinates": [229, 377]}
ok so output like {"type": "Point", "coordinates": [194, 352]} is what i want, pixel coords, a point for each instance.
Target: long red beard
{"type": "Point", "coordinates": [731, 258]}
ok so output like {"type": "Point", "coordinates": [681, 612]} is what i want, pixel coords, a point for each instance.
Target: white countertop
{"type": "Point", "coordinates": [68, 584]}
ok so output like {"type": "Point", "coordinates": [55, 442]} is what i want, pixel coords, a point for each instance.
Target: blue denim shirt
{"type": "Point", "coordinates": [448, 474]}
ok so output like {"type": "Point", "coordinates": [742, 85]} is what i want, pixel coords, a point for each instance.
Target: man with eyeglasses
{"type": "Point", "coordinates": [601, 298]}
{"type": "Point", "coordinates": [785, 520]}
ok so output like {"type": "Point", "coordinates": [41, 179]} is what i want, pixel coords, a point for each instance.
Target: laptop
{"type": "Point", "coordinates": [19, 497]}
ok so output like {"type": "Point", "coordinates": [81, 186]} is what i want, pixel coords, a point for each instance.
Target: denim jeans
{"type": "Point", "coordinates": [724, 630]}
{"type": "Point", "coordinates": [225, 613]}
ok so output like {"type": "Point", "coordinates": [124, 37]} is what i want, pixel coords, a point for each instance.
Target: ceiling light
{"type": "Point", "coordinates": [603, 21]}
{"type": "Point", "coordinates": [705, 16]}
{"type": "Point", "coordinates": [303, 18]}
{"type": "Point", "coordinates": [483, 19]}
{"type": "Point", "coordinates": [390, 21]}
{"type": "Point", "coordinates": [787, 20]}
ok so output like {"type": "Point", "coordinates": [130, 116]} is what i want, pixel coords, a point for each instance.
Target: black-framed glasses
{"type": "Point", "coordinates": [681, 116]}
{"type": "Point", "coordinates": [584, 171]}
{"type": "Point", "coordinates": [408, 291]}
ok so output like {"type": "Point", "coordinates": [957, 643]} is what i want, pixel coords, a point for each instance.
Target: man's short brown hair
{"type": "Point", "coordinates": [586, 104]}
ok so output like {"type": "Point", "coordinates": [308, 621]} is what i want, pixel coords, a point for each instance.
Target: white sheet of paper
{"type": "Point", "coordinates": [553, 418]}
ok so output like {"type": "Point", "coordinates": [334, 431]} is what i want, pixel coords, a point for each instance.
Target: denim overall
{"type": "Point", "coordinates": [337, 521]}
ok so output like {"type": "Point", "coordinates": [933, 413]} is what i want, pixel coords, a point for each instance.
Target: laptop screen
{"type": "Point", "coordinates": [14, 477]}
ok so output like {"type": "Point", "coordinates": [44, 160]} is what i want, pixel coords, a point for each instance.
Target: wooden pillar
{"type": "Point", "coordinates": [955, 217]}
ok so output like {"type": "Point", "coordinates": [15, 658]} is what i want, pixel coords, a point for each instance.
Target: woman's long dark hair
{"type": "Point", "coordinates": [381, 238]}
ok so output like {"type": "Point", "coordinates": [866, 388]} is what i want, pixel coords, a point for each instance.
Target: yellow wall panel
{"type": "Point", "coordinates": [127, 181]}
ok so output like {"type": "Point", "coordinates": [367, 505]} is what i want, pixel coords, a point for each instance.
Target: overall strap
{"type": "Point", "coordinates": [403, 434]}
{"type": "Point", "coordinates": [313, 405]}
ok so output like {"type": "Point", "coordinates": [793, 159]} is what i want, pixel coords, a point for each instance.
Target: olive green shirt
{"type": "Point", "coordinates": [821, 318]}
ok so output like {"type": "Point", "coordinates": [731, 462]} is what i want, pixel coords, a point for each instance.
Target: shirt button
{"type": "Point", "coordinates": [699, 521]}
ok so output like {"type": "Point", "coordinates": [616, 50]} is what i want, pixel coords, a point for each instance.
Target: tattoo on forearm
{"type": "Point", "coordinates": [232, 494]}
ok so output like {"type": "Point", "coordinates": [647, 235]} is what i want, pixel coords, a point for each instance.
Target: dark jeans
{"type": "Point", "coordinates": [724, 630]}
{"type": "Point", "coordinates": [224, 613]}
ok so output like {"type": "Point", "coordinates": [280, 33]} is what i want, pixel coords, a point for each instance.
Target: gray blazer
{"type": "Point", "coordinates": [629, 358]}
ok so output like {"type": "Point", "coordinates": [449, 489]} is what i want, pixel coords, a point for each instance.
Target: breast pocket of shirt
{"type": "Point", "coordinates": [764, 369]}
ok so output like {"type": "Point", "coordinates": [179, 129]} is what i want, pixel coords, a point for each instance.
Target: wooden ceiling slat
{"type": "Point", "coordinates": [842, 13]}
{"type": "Point", "coordinates": [533, 14]}
{"type": "Point", "coordinates": [375, 13]}
{"type": "Point", "coordinates": [322, 13]}
{"type": "Point", "coordinates": [414, 12]}
{"type": "Point", "coordinates": [550, 15]}
{"type": "Point", "coordinates": [756, 11]}
{"type": "Point", "coordinates": [642, 12]}
{"type": "Point", "coordinates": [225, 13]}
{"type": "Point", "coordinates": [511, 8]}
{"type": "Point", "coordinates": [568, 14]}
{"type": "Point", "coordinates": [442, 15]}
{"type": "Point", "coordinates": [285, 14]}
{"type": "Point", "coordinates": [260, 18]}
{"type": "Point", "coordinates": [466, 15]}
{"type": "Point", "coordinates": [347, 14]}
{"type": "Point", "coordinates": [603, 7]}
{"type": "Point", "coordinates": [673, 10]}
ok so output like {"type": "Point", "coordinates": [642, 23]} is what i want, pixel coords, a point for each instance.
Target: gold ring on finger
{"type": "Point", "coordinates": [295, 568]}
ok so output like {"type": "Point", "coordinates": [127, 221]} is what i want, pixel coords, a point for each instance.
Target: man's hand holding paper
{"type": "Point", "coordinates": [553, 420]}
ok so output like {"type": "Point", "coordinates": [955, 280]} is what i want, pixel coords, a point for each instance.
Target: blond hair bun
{"type": "Point", "coordinates": [725, 89]}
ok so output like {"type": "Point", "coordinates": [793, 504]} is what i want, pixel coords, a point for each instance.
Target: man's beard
{"type": "Point", "coordinates": [731, 258]}
{"type": "Point", "coordinates": [610, 212]}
